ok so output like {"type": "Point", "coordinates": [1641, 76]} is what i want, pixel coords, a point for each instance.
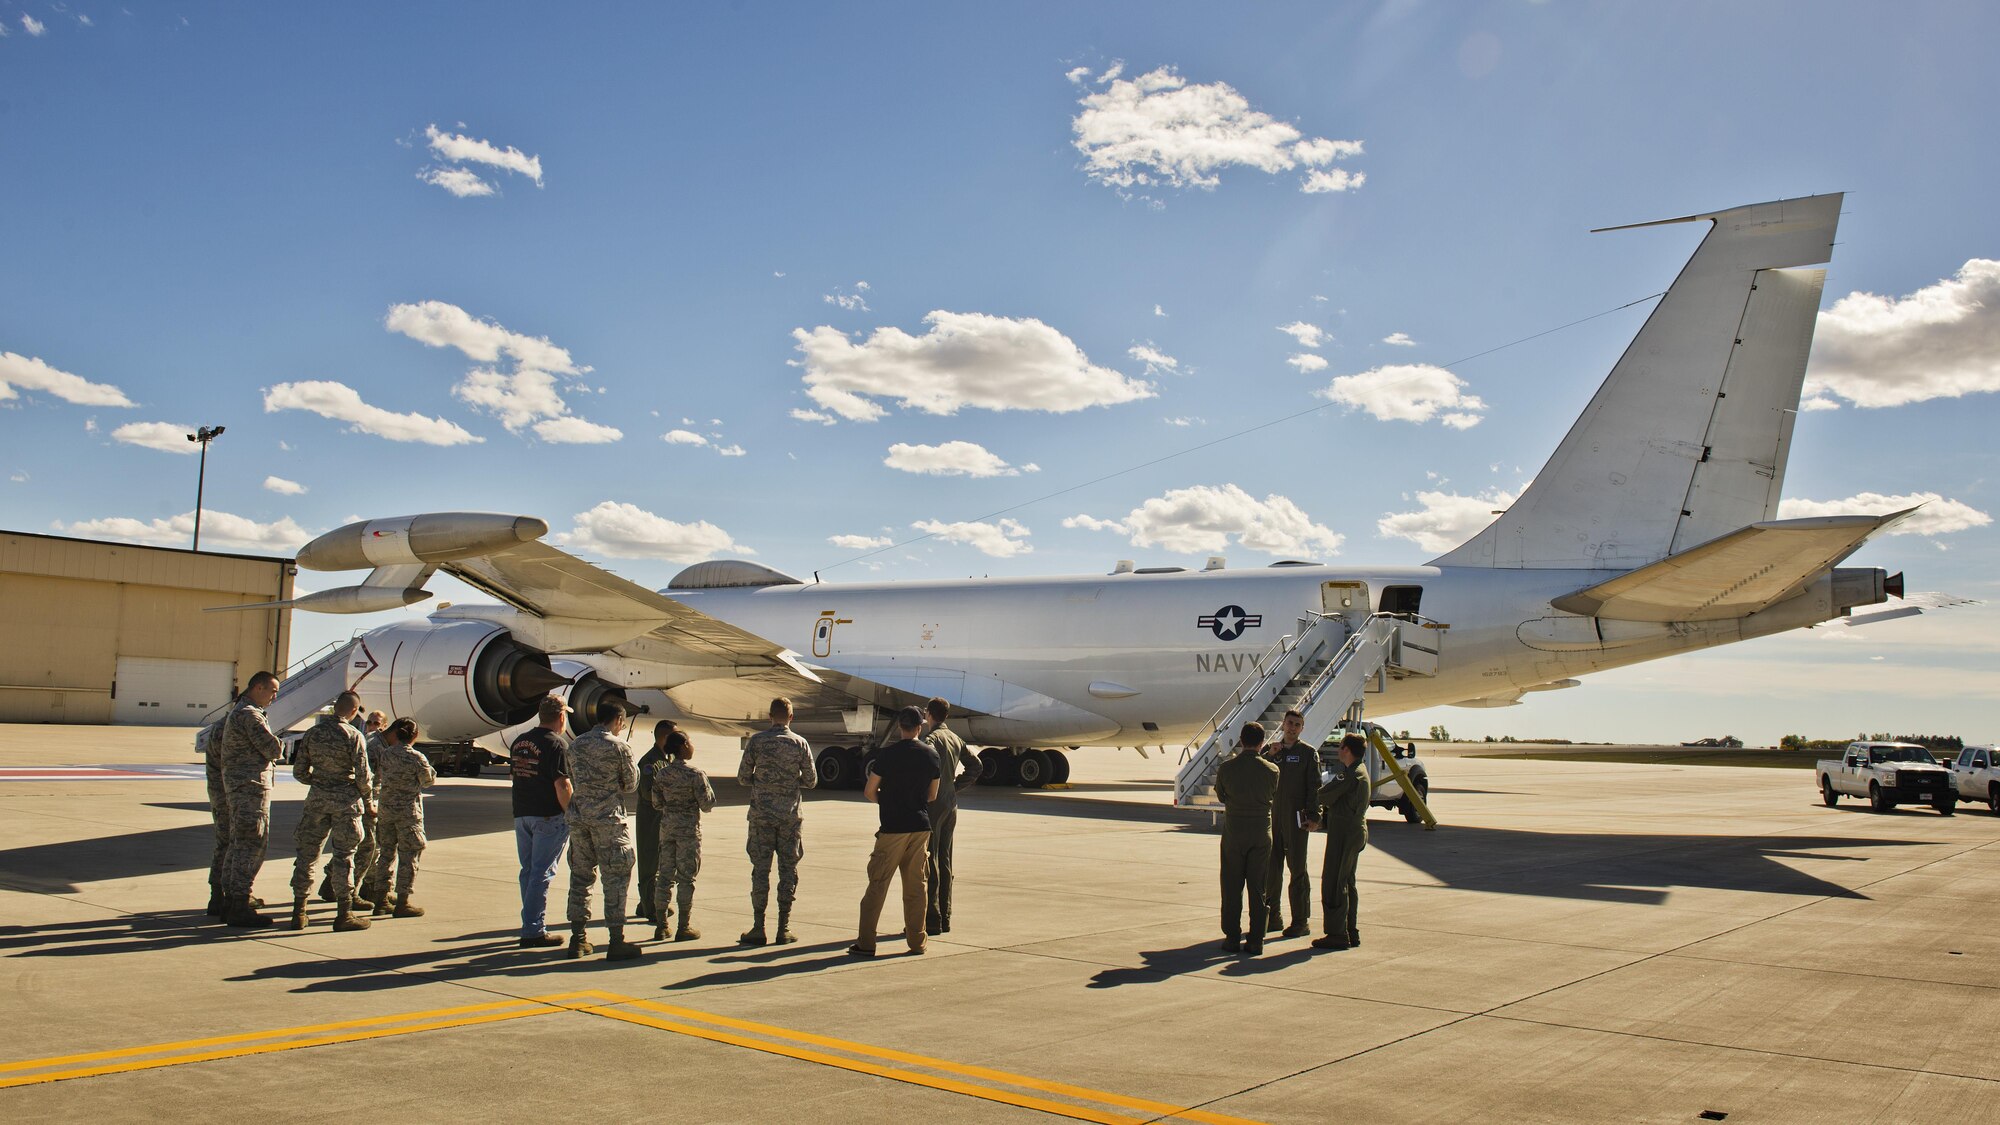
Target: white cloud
{"type": "Point", "coordinates": [1399, 340]}
{"type": "Point", "coordinates": [1155, 360]}
{"type": "Point", "coordinates": [85, 20]}
{"type": "Point", "coordinates": [859, 542]}
{"type": "Point", "coordinates": [1003, 540]}
{"type": "Point", "coordinates": [1408, 393]}
{"type": "Point", "coordinates": [1158, 311]}
{"type": "Point", "coordinates": [855, 300]}
{"type": "Point", "coordinates": [629, 532]}
{"type": "Point", "coordinates": [163, 436]}
{"type": "Point", "coordinates": [528, 395]}
{"type": "Point", "coordinates": [461, 149]}
{"type": "Point", "coordinates": [32, 25]}
{"type": "Point", "coordinates": [440, 324]}
{"type": "Point", "coordinates": [1181, 421]}
{"type": "Point", "coordinates": [218, 529]}
{"type": "Point", "coordinates": [965, 359]}
{"type": "Point", "coordinates": [1446, 518]}
{"type": "Point", "coordinates": [19, 477]}
{"type": "Point", "coordinates": [683, 437]}
{"type": "Point", "coordinates": [952, 459]}
{"type": "Point", "coordinates": [571, 430]}
{"type": "Point", "coordinates": [1203, 518]}
{"type": "Point", "coordinates": [814, 416]}
{"type": "Point", "coordinates": [1157, 130]}
{"type": "Point", "coordinates": [1942, 341]}
{"type": "Point", "coordinates": [1938, 516]}
{"type": "Point", "coordinates": [343, 404]}
{"type": "Point", "coordinates": [1321, 180]}
{"type": "Point", "coordinates": [283, 487]}
{"type": "Point", "coordinates": [1077, 74]}
{"type": "Point", "coordinates": [1817, 401]}
{"type": "Point", "coordinates": [1308, 335]}
{"type": "Point", "coordinates": [1307, 363]}
{"type": "Point", "coordinates": [730, 450]}
{"type": "Point", "coordinates": [31, 374]}
{"type": "Point", "coordinates": [457, 181]}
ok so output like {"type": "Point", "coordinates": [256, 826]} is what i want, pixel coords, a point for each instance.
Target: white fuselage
{"type": "Point", "coordinates": [1141, 659]}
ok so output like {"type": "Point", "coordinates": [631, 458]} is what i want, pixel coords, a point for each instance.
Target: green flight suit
{"type": "Point", "coordinates": [1298, 792]}
{"type": "Point", "coordinates": [1246, 785]}
{"type": "Point", "coordinates": [1344, 804]}
{"type": "Point", "coordinates": [648, 832]}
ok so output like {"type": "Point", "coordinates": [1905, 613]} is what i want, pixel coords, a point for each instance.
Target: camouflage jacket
{"type": "Point", "coordinates": [776, 765]}
{"type": "Point", "coordinates": [406, 773]}
{"type": "Point", "coordinates": [681, 793]}
{"type": "Point", "coordinates": [249, 749]}
{"type": "Point", "coordinates": [601, 772]}
{"type": "Point", "coordinates": [333, 760]}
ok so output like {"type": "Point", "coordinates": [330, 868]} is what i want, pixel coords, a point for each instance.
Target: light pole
{"type": "Point", "coordinates": [204, 435]}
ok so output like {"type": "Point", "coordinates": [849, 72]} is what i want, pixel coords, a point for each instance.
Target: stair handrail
{"type": "Point", "coordinates": [1380, 628]}
{"type": "Point", "coordinates": [1262, 670]}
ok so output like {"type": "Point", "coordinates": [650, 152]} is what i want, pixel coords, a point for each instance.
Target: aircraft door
{"type": "Point", "coordinates": [1345, 600]}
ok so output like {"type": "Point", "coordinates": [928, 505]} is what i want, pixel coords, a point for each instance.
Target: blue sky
{"type": "Point", "coordinates": [533, 225]}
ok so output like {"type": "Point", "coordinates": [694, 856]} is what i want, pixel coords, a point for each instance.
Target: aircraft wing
{"type": "Point", "coordinates": [1733, 576]}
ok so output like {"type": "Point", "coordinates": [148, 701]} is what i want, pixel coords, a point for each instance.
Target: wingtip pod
{"type": "Point", "coordinates": [434, 537]}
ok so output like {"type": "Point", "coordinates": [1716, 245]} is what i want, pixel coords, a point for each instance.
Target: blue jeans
{"type": "Point", "coordinates": [540, 841]}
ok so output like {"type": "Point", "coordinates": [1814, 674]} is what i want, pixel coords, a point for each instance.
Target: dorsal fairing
{"type": "Point", "coordinates": [1687, 438]}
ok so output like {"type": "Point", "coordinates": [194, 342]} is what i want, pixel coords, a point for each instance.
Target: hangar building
{"type": "Point", "coordinates": [94, 632]}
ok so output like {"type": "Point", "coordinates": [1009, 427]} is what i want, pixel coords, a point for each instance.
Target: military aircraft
{"type": "Point", "coordinates": [1651, 531]}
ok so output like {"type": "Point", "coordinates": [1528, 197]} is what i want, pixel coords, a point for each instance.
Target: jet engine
{"type": "Point", "coordinates": [458, 679]}
{"type": "Point", "coordinates": [587, 689]}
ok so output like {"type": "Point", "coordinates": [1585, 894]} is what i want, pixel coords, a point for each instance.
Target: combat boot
{"type": "Point", "coordinates": [785, 936]}
{"type": "Point", "coordinates": [619, 949]}
{"type": "Point", "coordinates": [579, 946]}
{"type": "Point", "coordinates": [236, 912]}
{"type": "Point", "coordinates": [660, 930]}
{"type": "Point", "coordinates": [405, 909]}
{"type": "Point", "coordinates": [686, 932]}
{"type": "Point", "coordinates": [298, 912]}
{"type": "Point", "coordinates": [216, 903]}
{"type": "Point", "coordinates": [326, 889]}
{"type": "Point", "coordinates": [1331, 941]}
{"type": "Point", "coordinates": [755, 934]}
{"type": "Point", "coordinates": [347, 920]}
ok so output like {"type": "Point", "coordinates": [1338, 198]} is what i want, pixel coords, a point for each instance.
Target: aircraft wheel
{"type": "Point", "coordinates": [857, 767]}
{"type": "Point", "coordinates": [1033, 769]}
{"type": "Point", "coordinates": [1058, 767]}
{"type": "Point", "coordinates": [834, 767]}
{"type": "Point", "coordinates": [997, 766]}
{"type": "Point", "coordinates": [1827, 794]}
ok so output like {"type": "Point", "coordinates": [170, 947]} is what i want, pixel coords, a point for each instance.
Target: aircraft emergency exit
{"type": "Point", "coordinates": [1651, 531]}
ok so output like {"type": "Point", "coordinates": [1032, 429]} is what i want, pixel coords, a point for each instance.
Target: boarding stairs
{"type": "Point", "coordinates": [1323, 670]}
{"type": "Point", "coordinates": [309, 685]}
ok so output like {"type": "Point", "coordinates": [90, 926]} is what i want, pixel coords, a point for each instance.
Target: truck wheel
{"type": "Point", "coordinates": [1033, 769]}
{"type": "Point", "coordinates": [1947, 805]}
{"type": "Point", "coordinates": [1993, 798]}
{"type": "Point", "coordinates": [1875, 800]}
{"type": "Point", "coordinates": [1826, 792]}
{"type": "Point", "coordinates": [1408, 810]}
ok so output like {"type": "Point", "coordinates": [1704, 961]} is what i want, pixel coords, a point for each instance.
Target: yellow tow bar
{"type": "Point", "coordinates": [1395, 769]}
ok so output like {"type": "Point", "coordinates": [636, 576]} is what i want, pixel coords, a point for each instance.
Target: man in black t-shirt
{"type": "Point", "coordinates": [541, 793]}
{"type": "Point", "coordinates": [902, 781]}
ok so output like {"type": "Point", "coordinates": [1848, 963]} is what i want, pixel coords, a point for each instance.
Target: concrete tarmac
{"type": "Point", "coordinates": [1577, 942]}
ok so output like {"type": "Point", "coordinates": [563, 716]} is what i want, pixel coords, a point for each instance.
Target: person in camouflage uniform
{"type": "Point", "coordinates": [601, 772]}
{"type": "Point", "coordinates": [777, 764]}
{"type": "Point", "coordinates": [364, 856]}
{"type": "Point", "coordinates": [249, 750]}
{"type": "Point", "coordinates": [399, 818]}
{"type": "Point", "coordinates": [209, 742]}
{"type": "Point", "coordinates": [680, 793]}
{"type": "Point", "coordinates": [333, 761]}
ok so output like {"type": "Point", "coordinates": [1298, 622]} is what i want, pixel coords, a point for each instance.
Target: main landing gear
{"type": "Point", "coordinates": [1029, 769]}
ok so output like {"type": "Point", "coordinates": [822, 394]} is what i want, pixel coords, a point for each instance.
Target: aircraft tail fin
{"type": "Point", "coordinates": [1687, 438]}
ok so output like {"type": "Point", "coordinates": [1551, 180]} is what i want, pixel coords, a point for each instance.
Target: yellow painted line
{"type": "Point", "coordinates": [282, 1039]}
{"type": "Point", "coordinates": [1024, 1101]}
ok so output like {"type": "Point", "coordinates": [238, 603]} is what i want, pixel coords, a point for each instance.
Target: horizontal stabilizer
{"type": "Point", "coordinates": [1734, 576]}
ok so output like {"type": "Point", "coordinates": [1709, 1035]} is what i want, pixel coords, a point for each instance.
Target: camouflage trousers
{"type": "Point", "coordinates": [218, 807]}
{"type": "Point", "coordinates": [600, 846]}
{"type": "Point", "coordinates": [335, 821]}
{"type": "Point", "coordinates": [364, 856]}
{"type": "Point", "coordinates": [399, 843]}
{"type": "Point", "coordinates": [249, 831]}
{"type": "Point", "coordinates": [785, 841]}
{"type": "Point", "coordinates": [680, 862]}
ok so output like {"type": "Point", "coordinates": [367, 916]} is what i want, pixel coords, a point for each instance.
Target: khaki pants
{"type": "Point", "coordinates": [909, 853]}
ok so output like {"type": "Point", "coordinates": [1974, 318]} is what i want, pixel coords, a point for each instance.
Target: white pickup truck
{"type": "Point", "coordinates": [1888, 774]}
{"type": "Point", "coordinates": [1976, 775]}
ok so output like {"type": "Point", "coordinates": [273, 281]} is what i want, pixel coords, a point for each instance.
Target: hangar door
{"type": "Point", "coordinates": [169, 693]}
